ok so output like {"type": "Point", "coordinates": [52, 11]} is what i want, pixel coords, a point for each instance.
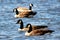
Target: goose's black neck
{"type": "Point", "coordinates": [21, 25]}
{"type": "Point", "coordinates": [17, 12]}
{"type": "Point", "coordinates": [30, 7]}
{"type": "Point", "coordinates": [30, 29]}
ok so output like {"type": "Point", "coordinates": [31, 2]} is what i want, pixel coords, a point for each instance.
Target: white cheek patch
{"type": "Point", "coordinates": [20, 22]}
{"type": "Point", "coordinates": [30, 5]}
{"type": "Point", "coordinates": [14, 10]}
{"type": "Point", "coordinates": [28, 25]}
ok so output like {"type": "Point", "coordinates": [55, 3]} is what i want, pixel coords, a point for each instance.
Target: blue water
{"type": "Point", "coordinates": [48, 13]}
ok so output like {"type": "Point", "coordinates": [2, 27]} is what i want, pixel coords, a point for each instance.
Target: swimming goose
{"type": "Point", "coordinates": [22, 12]}
{"type": "Point", "coordinates": [22, 28]}
{"type": "Point", "coordinates": [31, 32]}
{"type": "Point", "coordinates": [23, 8]}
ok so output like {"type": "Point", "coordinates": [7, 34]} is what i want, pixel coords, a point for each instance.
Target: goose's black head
{"type": "Point", "coordinates": [30, 27]}
{"type": "Point", "coordinates": [19, 21]}
{"type": "Point", "coordinates": [15, 10]}
{"type": "Point", "coordinates": [30, 6]}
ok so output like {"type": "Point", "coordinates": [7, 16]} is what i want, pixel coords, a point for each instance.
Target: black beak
{"type": "Point", "coordinates": [17, 22]}
{"type": "Point", "coordinates": [13, 10]}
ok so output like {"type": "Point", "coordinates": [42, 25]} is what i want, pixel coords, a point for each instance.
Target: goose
{"type": "Point", "coordinates": [37, 32]}
{"type": "Point", "coordinates": [23, 8]}
{"type": "Point", "coordinates": [22, 28]}
{"type": "Point", "coordinates": [22, 12]}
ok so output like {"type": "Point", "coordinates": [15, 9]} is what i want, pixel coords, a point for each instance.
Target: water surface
{"type": "Point", "coordinates": [48, 13]}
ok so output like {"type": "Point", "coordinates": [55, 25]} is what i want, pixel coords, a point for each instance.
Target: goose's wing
{"type": "Point", "coordinates": [38, 27]}
{"type": "Point", "coordinates": [36, 32]}
{"type": "Point", "coordinates": [22, 8]}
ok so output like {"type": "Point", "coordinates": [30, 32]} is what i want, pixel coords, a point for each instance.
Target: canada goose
{"type": "Point", "coordinates": [22, 28]}
{"type": "Point", "coordinates": [21, 25]}
{"type": "Point", "coordinates": [31, 32]}
{"type": "Point", "coordinates": [25, 14]}
{"type": "Point", "coordinates": [22, 12]}
{"type": "Point", "coordinates": [23, 8]}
